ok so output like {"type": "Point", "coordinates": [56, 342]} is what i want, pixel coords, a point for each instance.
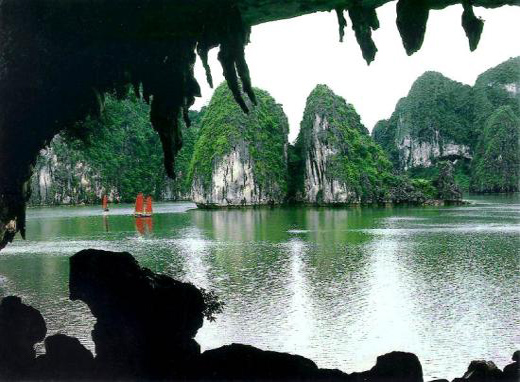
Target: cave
{"type": "Point", "coordinates": [58, 59]}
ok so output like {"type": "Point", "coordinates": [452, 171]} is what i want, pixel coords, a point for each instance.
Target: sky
{"type": "Point", "coordinates": [288, 58]}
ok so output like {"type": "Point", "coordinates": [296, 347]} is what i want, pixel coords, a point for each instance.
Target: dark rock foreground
{"type": "Point", "coordinates": [145, 329]}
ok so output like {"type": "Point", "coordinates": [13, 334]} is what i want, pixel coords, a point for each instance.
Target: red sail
{"type": "Point", "coordinates": [148, 210]}
{"type": "Point", "coordinates": [105, 203]}
{"type": "Point", "coordinates": [139, 204]}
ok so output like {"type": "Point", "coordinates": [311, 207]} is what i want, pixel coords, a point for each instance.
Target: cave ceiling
{"type": "Point", "coordinates": [58, 58]}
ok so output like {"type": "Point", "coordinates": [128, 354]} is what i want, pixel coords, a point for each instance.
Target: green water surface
{"type": "Point", "coordinates": [338, 285]}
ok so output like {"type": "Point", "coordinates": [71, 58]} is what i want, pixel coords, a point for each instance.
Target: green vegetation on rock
{"type": "Point", "coordinates": [447, 188]}
{"type": "Point", "coordinates": [436, 111]}
{"type": "Point", "coordinates": [260, 136]}
{"type": "Point", "coordinates": [461, 171]}
{"type": "Point", "coordinates": [441, 119]}
{"type": "Point", "coordinates": [496, 87]}
{"type": "Point", "coordinates": [118, 154]}
{"type": "Point", "coordinates": [355, 161]}
{"type": "Point", "coordinates": [123, 147]}
{"type": "Point", "coordinates": [384, 135]}
{"type": "Point", "coordinates": [496, 167]}
{"type": "Point", "coordinates": [340, 161]}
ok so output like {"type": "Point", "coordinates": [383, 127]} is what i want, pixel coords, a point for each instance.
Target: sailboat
{"type": "Point", "coordinates": [148, 206]}
{"type": "Point", "coordinates": [105, 203]}
{"type": "Point", "coordinates": [143, 209]}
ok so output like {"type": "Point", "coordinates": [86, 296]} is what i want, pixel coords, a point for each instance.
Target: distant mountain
{"type": "Point", "coordinates": [441, 119]}
{"type": "Point", "coordinates": [496, 167]}
{"type": "Point", "coordinates": [336, 161]}
{"type": "Point", "coordinates": [433, 121]}
{"type": "Point", "coordinates": [496, 87]}
{"type": "Point", "coordinates": [230, 158]}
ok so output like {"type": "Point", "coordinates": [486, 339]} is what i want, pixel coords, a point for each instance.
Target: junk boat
{"type": "Point", "coordinates": [143, 209]}
{"type": "Point", "coordinates": [105, 203]}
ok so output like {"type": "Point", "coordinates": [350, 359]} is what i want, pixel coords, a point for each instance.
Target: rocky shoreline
{"type": "Point", "coordinates": [426, 203]}
{"type": "Point", "coordinates": [145, 330]}
{"type": "Point", "coordinates": [215, 206]}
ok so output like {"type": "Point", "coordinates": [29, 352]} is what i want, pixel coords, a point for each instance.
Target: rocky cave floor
{"type": "Point", "coordinates": [145, 329]}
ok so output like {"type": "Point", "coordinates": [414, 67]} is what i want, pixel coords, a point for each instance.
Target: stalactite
{"type": "Point", "coordinates": [412, 16]}
{"type": "Point", "coordinates": [173, 88]}
{"type": "Point", "coordinates": [472, 25]}
{"type": "Point", "coordinates": [186, 116]}
{"type": "Point", "coordinates": [364, 20]}
{"type": "Point", "coordinates": [243, 72]}
{"type": "Point", "coordinates": [342, 23]}
{"type": "Point", "coordinates": [226, 58]}
{"type": "Point", "coordinates": [202, 51]}
{"type": "Point", "coordinates": [232, 58]}
{"type": "Point", "coordinates": [135, 87]}
{"type": "Point", "coordinates": [146, 94]}
{"type": "Point", "coordinates": [164, 115]}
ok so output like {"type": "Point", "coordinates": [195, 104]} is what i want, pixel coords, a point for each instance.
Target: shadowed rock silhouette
{"type": "Point", "coordinates": [395, 366]}
{"type": "Point", "coordinates": [21, 327]}
{"type": "Point", "coordinates": [65, 358]}
{"type": "Point", "coordinates": [512, 371]}
{"type": "Point", "coordinates": [145, 322]}
{"type": "Point", "coordinates": [145, 329]}
{"type": "Point", "coordinates": [243, 362]}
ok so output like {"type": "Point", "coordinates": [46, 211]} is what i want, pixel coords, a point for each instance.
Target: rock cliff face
{"type": "Point", "coordinates": [340, 162]}
{"type": "Point", "coordinates": [441, 119]}
{"type": "Point", "coordinates": [240, 159]}
{"type": "Point", "coordinates": [417, 153]}
{"type": "Point", "coordinates": [433, 122]}
{"type": "Point", "coordinates": [63, 176]}
{"type": "Point", "coordinates": [232, 183]}
{"type": "Point", "coordinates": [77, 171]}
{"type": "Point", "coordinates": [496, 167]}
{"type": "Point", "coordinates": [319, 186]}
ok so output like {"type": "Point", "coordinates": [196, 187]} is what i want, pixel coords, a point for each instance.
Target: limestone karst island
{"type": "Point", "coordinates": [245, 190]}
{"type": "Point", "coordinates": [444, 138]}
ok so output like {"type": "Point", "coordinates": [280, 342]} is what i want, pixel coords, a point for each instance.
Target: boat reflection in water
{"type": "Point", "coordinates": [105, 222]}
{"type": "Point", "coordinates": [144, 225]}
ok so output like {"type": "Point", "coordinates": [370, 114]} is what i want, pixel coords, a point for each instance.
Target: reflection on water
{"type": "Point", "coordinates": [338, 285]}
{"type": "Point", "coordinates": [143, 225]}
{"type": "Point", "coordinates": [300, 305]}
